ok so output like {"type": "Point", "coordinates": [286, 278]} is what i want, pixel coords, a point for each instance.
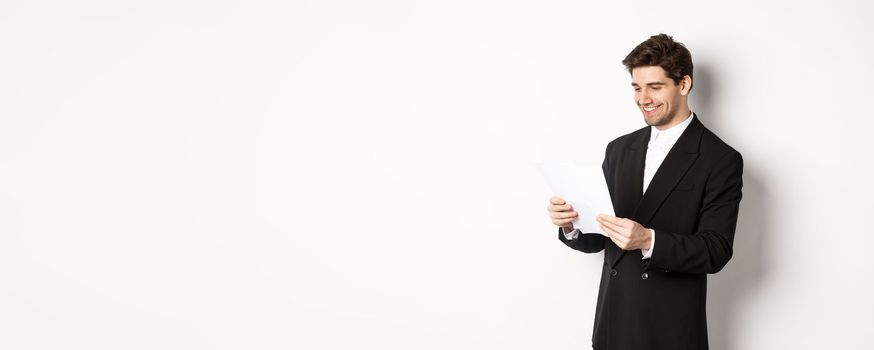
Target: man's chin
{"type": "Point", "coordinates": [657, 120]}
{"type": "Point", "coordinates": [654, 120]}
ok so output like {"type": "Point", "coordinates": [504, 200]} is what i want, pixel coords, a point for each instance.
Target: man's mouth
{"type": "Point", "coordinates": [650, 108]}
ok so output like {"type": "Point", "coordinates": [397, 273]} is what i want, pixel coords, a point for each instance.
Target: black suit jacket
{"type": "Point", "coordinates": [692, 204]}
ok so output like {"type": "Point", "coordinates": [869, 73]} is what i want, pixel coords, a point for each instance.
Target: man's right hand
{"type": "Point", "coordinates": [561, 213]}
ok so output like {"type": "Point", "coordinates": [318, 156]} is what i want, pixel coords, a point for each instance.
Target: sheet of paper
{"type": "Point", "coordinates": [582, 186]}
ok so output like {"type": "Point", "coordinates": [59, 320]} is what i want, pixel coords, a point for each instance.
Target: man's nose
{"type": "Point", "coordinates": [644, 100]}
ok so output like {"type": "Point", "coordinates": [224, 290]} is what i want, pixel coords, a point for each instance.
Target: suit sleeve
{"type": "Point", "coordinates": [710, 247]}
{"type": "Point", "coordinates": [588, 243]}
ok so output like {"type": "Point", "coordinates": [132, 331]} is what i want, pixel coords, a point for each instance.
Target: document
{"type": "Point", "coordinates": [582, 186]}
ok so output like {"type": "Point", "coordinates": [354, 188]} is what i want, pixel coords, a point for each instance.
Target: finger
{"type": "Point", "coordinates": [556, 200]}
{"type": "Point", "coordinates": [615, 241]}
{"type": "Point", "coordinates": [618, 240]}
{"type": "Point", "coordinates": [608, 218]}
{"type": "Point", "coordinates": [554, 207]}
{"type": "Point", "coordinates": [621, 240]}
{"type": "Point", "coordinates": [612, 233]}
{"type": "Point", "coordinates": [626, 223]}
{"type": "Point", "coordinates": [563, 214]}
{"type": "Point", "coordinates": [562, 222]}
{"type": "Point", "coordinates": [618, 228]}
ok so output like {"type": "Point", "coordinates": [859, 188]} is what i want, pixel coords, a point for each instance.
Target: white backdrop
{"type": "Point", "coordinates": [358, 175]}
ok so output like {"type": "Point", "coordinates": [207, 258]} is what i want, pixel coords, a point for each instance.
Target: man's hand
{"type": "Point", "coordinates": [627, 234]}
{"type": "Point", "coordinates": [561, 213]}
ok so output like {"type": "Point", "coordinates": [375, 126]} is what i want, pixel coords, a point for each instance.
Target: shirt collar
{"type": "Point", "coordinates": [670, 134]}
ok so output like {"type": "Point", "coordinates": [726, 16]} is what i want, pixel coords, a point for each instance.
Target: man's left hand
{"type": "Point", "coordinates": [627, 234]}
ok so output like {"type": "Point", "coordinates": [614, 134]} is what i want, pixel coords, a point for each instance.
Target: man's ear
{"type": "Point", "coordinates": [685, 85]}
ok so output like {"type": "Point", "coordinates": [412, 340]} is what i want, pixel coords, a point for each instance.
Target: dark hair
{"type": "Point", "coordinates": [661, 50]}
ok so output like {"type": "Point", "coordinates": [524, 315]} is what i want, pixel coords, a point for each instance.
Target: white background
{"type": "Point", "coordinates": [359, 175]}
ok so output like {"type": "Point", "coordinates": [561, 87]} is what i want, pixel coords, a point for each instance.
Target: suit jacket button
{"type": "Point", "coordinates": [613, 273]}
{"type": "Point", "coordinates": [644, 276]}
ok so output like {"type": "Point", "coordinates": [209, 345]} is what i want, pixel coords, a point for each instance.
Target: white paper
{"type": "Point", "coordinates": [582, 186]}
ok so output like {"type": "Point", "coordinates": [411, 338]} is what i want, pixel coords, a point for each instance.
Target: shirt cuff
{"type": "Point", "coordinates": [648, 252]}
{"type": "Point", "coordinates": [570, 235]}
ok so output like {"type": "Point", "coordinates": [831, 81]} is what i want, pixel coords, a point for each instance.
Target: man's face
{"type": "Point", "coordinates": [658, 98]}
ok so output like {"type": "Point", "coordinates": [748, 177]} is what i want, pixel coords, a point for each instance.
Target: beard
{"type": "Point", "coordinates": [660, 120]}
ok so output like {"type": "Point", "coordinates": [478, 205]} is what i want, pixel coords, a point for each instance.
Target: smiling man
{"type": "Point", "coordinates": [676, 190]}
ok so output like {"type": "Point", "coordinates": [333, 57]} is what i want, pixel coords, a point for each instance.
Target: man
{"type": "Point", "coordinates": [676, 189]}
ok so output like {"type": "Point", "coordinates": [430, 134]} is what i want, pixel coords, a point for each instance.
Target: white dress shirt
{"type": "Point", "coordinates": [660, 143]}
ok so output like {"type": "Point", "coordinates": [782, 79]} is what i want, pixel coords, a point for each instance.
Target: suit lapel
{"type": "Point", "coordinates": [678, 160]}
{"type": "Point", "coordinates": [631, 182]}
{"type": "Point", "coordinates": [675, 165]}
